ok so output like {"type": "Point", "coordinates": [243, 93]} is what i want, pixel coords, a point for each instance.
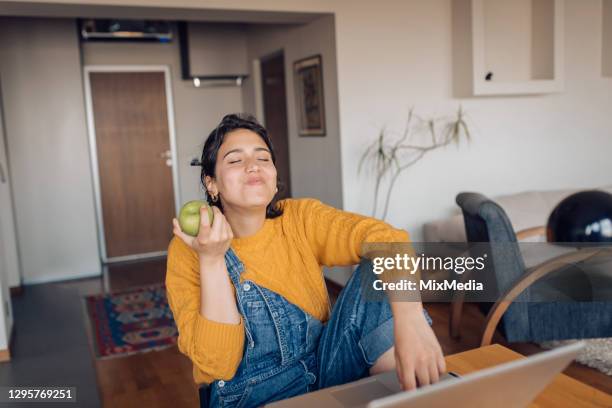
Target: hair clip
{"type": "Point", "coordinates": [196, 162]}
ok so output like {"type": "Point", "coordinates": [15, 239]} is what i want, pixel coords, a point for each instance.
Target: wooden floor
{"type": "Point", "coordinates": [164, 378]}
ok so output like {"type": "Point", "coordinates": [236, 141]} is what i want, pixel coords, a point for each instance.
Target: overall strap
{"type": "Point", "coordinates": [234, 267]}
{"type": "Point", "coordinates": [275, 311]}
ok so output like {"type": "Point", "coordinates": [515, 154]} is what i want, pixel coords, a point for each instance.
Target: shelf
{"type": "Point", "coordinates": [517, 46]}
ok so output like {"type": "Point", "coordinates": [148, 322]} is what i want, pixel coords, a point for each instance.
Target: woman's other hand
{"type": "Point", "coordinates": [213, 240]}
{"type": "Point", "coordinates": [418, 355]}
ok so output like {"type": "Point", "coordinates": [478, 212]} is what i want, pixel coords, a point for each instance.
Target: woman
{"type": "Point", "coordinates": [249, 297]}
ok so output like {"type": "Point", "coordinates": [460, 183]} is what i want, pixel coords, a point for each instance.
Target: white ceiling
{"type": "Point", "coordinates": [35, 9]}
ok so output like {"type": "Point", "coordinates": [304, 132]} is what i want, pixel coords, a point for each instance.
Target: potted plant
{"type": "Point", "coordinates": [387, 158]}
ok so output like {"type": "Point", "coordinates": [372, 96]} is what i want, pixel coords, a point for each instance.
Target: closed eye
{"type": "Point", "coordinates": [234, 161]}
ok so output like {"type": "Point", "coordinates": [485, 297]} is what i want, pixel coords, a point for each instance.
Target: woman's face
{"type": "Point", "coordinates": [245, 175]}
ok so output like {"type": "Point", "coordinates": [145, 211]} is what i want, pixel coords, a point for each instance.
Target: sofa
{"type": "Point", "coordinates": [526, 210]}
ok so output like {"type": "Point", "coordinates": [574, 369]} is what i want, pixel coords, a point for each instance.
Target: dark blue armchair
{"type": "Point", "coordinates": [518, 313]}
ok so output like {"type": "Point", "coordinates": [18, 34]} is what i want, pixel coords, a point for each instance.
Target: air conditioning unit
{"type": "Point", "coordinates": [125, 30]}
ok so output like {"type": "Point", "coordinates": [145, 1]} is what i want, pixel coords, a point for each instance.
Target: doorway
{"type": "Point", "coordinates": [132, 146]}
{"type": "Point", "coordinates": [275, 116]}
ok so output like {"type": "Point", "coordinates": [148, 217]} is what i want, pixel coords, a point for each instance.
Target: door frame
{"type": "Point", "coordinates": [93, 151]}
{"type": "Point", "coordinates": [259, 86]}
{"type": "Point", "coordinates": [258, 91]}
{"type": "Point", "coordinates": [260, 98]}
{"type": "Point", "coordinates": [12, 256]}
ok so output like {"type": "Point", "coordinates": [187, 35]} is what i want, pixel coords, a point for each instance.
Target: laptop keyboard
{"type": "Point", "coordinates": [360, 395]}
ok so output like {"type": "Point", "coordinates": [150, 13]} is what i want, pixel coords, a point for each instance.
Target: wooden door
{"type": "Point", "coordinates": [275, 113]}
{"type": "Point", "coordinates": [134, 161]}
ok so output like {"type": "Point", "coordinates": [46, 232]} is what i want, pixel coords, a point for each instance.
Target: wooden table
{"type": "Point", "coordinates": [564, 391]}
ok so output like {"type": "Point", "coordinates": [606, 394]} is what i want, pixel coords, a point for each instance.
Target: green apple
{"type": "Point", "coordinates": [189, 216]}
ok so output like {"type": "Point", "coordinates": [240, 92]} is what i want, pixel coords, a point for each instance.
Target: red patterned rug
{"type": "Point", "coordinates": [130, 322]}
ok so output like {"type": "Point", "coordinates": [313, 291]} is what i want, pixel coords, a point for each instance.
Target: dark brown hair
{"type": "Point", "coordinates": [214, 141]}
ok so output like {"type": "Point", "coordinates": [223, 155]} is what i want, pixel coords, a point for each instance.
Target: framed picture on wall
{"type": "Point", "coordinates": [308, 77]}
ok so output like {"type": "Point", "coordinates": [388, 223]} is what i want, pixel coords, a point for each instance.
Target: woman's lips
{"type": "Point", "coordinates": [254, 182]}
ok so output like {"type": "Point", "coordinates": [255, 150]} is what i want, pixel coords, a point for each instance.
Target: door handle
{"type": "Point", "coordinates": [168, 156]}
{"type": "Point", "coordinates": [2, 175]}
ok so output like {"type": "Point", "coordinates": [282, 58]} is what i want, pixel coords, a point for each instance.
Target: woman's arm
{"type": "Point", "coordinates": [201, 297]}
{"type": "Point", "coordinates": [418, 355]}
{"type": "Point", "coordinates": [218, 302]}
{"type": "Point", "coordinates": [336, 238]}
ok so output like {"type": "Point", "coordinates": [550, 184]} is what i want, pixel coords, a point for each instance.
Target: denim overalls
{"type": "Point", "coordinates": [289, 352]}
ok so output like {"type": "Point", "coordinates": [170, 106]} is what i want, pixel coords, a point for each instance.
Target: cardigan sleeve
{"type": "Point", "coordinates": [336, 236]}
{"type": "Point", "coordinates": [214, 348]}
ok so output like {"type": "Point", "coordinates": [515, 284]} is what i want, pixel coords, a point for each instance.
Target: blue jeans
{"type": "Point", "coordinates": [288, 352]}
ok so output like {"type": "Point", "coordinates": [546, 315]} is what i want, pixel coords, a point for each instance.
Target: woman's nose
{"type": "Point", "coordinates": [252, 165]}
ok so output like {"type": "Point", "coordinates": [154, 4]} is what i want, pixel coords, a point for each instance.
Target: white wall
{"type": "Point", "coordinates": [48, 150]}
{"type": "Point", "coordinates": [521, 143]}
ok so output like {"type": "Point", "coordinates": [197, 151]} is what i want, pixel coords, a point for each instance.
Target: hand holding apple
{"type": "Point", "coordinates": [212, 234]}
{"type": "Point", "coordinates": [189, 216]}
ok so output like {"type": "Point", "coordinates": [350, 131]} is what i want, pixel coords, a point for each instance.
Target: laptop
{"type": "Point", "coordinates": [512, 384]}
